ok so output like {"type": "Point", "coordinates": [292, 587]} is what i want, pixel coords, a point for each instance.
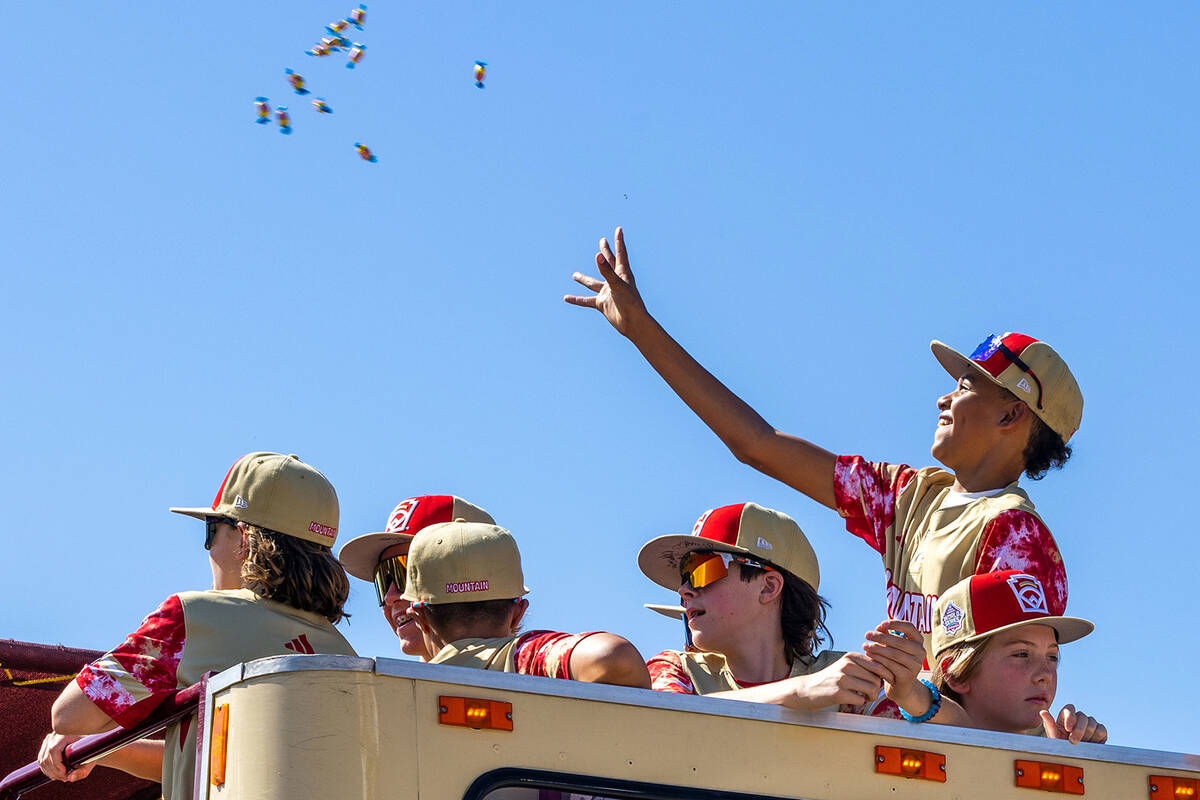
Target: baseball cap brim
{"type": "Point", "coordinates": [674, 612]}
{"type": "Point", "coordinates": [1068, 629]}
{"type": "Point", "coordinates": [360, 555]}
{"type": "Point", "coordinates": [198, 513]}
{"type": "Point", "coordinates": [659, 558]}
{"type": "Point", "coordinates": [956, 363]}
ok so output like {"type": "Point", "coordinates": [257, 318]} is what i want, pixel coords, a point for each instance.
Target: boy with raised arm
{"type": "Point", "coordinates": [1013, 409]}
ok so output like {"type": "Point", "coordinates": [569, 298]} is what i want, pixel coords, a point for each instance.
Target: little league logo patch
{"type": "Point", "coordinates": [952, 619]}
{"type": "Point", "coordinates": [398, 522]}
{"type": "Point", "coordinates": [1030, 596]}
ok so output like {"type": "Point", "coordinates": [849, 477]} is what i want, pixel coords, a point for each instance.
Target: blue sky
{"type": "Point", "coordinates": [810, 193]}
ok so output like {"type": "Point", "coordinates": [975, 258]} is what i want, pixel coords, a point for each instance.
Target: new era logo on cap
{"type": "Point", "coordinates": [764, 544]}
{"type": "Point", "coordinates": [239, 502]}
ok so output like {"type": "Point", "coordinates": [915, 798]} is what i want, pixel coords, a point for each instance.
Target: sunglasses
{"type": "Point", "coordinates": [210, 528]}
{"type": "Point", "coordinates": [992, 345]}
{"type": "Point", "coordinates": [700, 569]}
{"type": "Point", "coordinates": [391, 571]}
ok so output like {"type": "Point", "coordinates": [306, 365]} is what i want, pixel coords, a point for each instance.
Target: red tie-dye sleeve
{"type": "Point", "coordinates": [1017, 539]}
{"type": "Point", "coordinates": [130, 682]}
{"type": "Point", "coordinates": [667, 674]}
{"type": "Point", "coordinates": [866, 496]}
{"type": "Point", "coordinates": [547, 653]}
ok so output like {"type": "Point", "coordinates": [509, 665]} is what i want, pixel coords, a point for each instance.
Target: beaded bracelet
{"type": "Point", "coordinates": [935, 705]}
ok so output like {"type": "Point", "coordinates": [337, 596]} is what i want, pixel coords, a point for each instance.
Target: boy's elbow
{"type": "Point", "coordinates": [608, 658]}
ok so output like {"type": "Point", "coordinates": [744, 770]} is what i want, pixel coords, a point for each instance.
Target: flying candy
{"type": "Point", "coordinates": [356, 54]}
{"type": "Point", "coordinates": [321, 106]}
{"type": "Point", "coordinates": [337, 42]}
{"type": "Point", "coordinates": [358, 15]}
{"type": "Point", "coordinates": [264, 110]}
{"type": "Point", "coordinates": [364, 152]}
{"type": "Point", "coordinates": [296, 81]}
{"type": "Point", "coordinates": [285, 119]}
{"type": "Point", "coordinates": [321, 49]}
{"type": "Point", "coordinates": [480, 73]}
{"type": "Point", "coordinates": [337, 27]}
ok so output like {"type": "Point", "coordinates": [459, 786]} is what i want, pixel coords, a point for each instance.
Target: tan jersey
{"type": "Point", "coordinates": [928, 545]}
{"type": "Point", "coordinates": [190, 634]}
{"type": "Point", "coordinates": [689, 672]}
{"type": "Point", "coordinates": [545, 653]}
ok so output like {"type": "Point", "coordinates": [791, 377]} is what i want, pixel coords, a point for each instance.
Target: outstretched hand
{"type": "Point", "coordinates": [616, 296]}
{"type": "Point", "coordinates": [1074, 726]}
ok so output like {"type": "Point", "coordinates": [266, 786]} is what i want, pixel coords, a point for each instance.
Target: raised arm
{"type": "Point", "coordinates": [800, 464]}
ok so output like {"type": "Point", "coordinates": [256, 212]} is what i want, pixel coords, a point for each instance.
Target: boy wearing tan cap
{"type": "Point", "coordinates": [382, 558]}
{"type": "Point", "coordinates": [1013, 410]}
{"type": "Point", "coordinates": [467, 591]}
{"type": "Point", "coordinates": [277, 589]}
{"type": "Point", "coordinates": [747, 578]}
{"type": "Point", "coordinates": [997, 656]}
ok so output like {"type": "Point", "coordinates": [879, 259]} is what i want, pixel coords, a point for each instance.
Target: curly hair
{"type": "Point", "coordinates": [802, 615]}
{"type": "Point", "coordinates": [1044, 451]}
{"type": "Point", "coordinates": [295, 572]}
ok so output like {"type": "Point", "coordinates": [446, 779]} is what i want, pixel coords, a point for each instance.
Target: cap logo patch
{"type": "Point", "coordinates": [1030, 596]}
{"type": "Point", "coordinates": [764, 544]}
{"type": "Point", "coordinates": [466, 586]}
{"type": "Point", "coordinates": [952, 619]}
{"type": "Point", "coordinates": [700, 522]}
{"type": "Point", "coordinates": [1024, 386]}
{"type": "Point", "coordinates": [238, 502]}
{"type": "Point", "coordinates": [323, 530]}
{"type": "Point", "coordinates": [401, 516]}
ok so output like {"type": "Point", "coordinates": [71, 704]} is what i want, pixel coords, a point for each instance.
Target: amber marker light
{"type": "Point", "coordinates": [906, 763]}
{"type": "Point", "coordinates": [1060, 778]}
{"type": "Point", "coordinates": [1163, 787]}
{"type": "Point", "coordinates": [474, 712]}
{"type": "Point", "coordinates": [219, 745]}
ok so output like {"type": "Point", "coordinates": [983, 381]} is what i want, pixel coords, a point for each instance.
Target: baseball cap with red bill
{"type": "Point", "coordinates": [981, 605]}
{"type": "Point", "coordinates": [747, 529]}
{"type": "Point", "coordinates": [1030, 369]}
{"type": "Point", "coordinates": [360, 555]}
{"type": "Point", "coordinates": [277, 492]}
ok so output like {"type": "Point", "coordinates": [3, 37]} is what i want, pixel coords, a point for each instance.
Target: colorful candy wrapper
{"type": "Point", "coordinates": [364, 152]}
{"type": "Point", "coordinates": [321, 106]}
{"type": "Point", "coordinates": [358, 16]}
{"type": "Point", "coordinates": [263, 107]}
{"type": "Point", "coordinates": [296, 81]}
{"type": "Point", "coordinates": [285, 120]}
{"type": "Point", "coordinates": [356, 54]}
{"type": "Point", "coordinates": [480, 73]}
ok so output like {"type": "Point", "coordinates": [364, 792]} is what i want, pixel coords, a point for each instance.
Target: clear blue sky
{"type": "Point", "coordinates": [810, 191]}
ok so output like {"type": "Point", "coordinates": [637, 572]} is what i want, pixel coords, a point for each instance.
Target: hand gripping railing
{"type": "Point", "coordinates": [177, 706]}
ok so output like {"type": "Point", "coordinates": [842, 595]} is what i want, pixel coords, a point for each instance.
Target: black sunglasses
{"type": "Point", "coordinates": [210, 528]}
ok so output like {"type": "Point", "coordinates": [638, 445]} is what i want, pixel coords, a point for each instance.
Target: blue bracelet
{"type": "Point", "coordinates": [935, 705]}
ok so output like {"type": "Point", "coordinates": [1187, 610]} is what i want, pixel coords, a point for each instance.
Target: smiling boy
{"type": "Point", "coordinates": [1014, 407]}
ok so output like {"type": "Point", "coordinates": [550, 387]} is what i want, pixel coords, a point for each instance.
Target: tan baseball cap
{"type": "Point", "coordinates": [1030, 369]}
{"type": "Point", "coordinates": [277, 492]}
{"type": "Point", "coordinates": [745, 528]}
{"type": "Point", "coordinates": [672, 611]}
{"type": "Point", "coordinates": [464, 562]}
{"type": "Point", "coordinates": [361, 554]}
{"type": "Point", "coordinates": [981, 605]}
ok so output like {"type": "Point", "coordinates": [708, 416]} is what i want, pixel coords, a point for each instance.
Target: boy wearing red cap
{"type": "Point", "coordinates": [996, 647]}
{"type": "Point", "coordinates": [466, 587]}
{"type": "Point", "coordinates": [277, 590]}
{"type": "Point", "coordinates": [1012, 411]}
{"type": "Point", "coordinates": [747, 578]}
{"type": "Point", "coordinates": [382, 558]}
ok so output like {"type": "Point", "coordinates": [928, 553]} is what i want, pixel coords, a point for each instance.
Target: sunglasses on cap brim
{"type": "Point", "coordinates": [994, 344]}
{"type": "Point", "coordinates": [210, 529]}
{"type": "Point", "coordinates": [704, 568]}
{"type": "Point", "coordinates": [389, 572]}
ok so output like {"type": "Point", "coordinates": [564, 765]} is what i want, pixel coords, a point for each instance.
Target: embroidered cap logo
{"type": "Point", "coordinates": [952, 619]}
{"type": "Point", "coordinates": [700, 522]}
{"type": "Point", "coordinates": [400, 517]}
{"type": "Point", "coordinates": [1030, 596]}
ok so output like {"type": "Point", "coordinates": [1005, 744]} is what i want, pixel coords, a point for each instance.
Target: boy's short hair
{"type": "Point", "coordinates": [446, 618]}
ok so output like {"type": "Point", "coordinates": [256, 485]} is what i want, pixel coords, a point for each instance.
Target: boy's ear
{"type": "Point", "coordinates": [959, 686]}
{"type": "Point", "coordinates": [1014, 414]}
{"type": "Point", "coordinates": [772, 587]}
{"type": "Point", "coordinates": [520, 606]}
{"type": "Point", "coordinates": [418, 616]}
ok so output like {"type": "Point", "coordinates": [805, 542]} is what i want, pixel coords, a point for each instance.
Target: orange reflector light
{"type": "Point", "coordinates": [1049, 777]}
{"type": "Point", "coordinates": [1165, 788]}
{"type": "Point", "coordinates": [474, 712]}
{"type": "Point", "coordinates": [910, 763]}
{"type": "Point", "coordinates": [218, 745]}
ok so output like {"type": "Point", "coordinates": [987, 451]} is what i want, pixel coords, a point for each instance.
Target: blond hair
{"type": "Point", "coordinates": [295, 572]}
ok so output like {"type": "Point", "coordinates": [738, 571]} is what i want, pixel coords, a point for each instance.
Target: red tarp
{"type": "Point", "coordinates": [31, 676]}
